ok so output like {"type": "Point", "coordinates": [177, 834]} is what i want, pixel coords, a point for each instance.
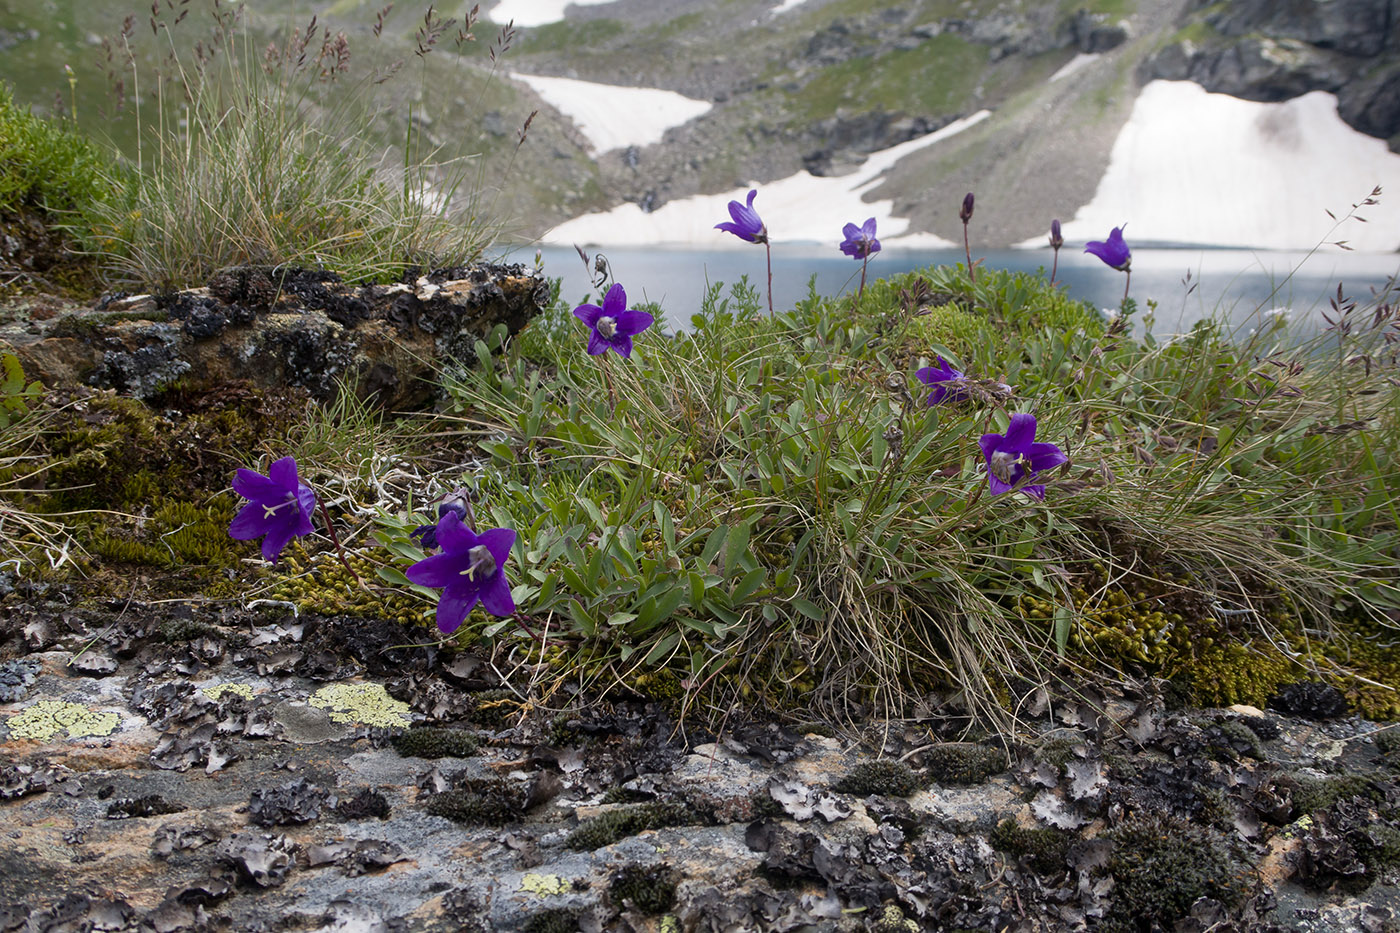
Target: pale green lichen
{"type": "Point", "coordinates": [544, 885]}
{"type": "Point", "coordinates": [47, 718]}
{"type": "Point", "coordinates": [369, 704]}
{"type": "Point", "coordinates": [217, 690]}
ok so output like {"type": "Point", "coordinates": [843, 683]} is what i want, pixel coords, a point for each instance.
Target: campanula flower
{"type": "Point", "coordinates": [470, 568]}
{"type": "Point", "coordinates": [860, 242]}
{"type": "Point", "coordinates": [455, 503]}
{"type": "Point", "coordinates": [1056, 238]}
{"type": "Point", "coordinates": [1014, 456]}
{"type": "Point", "coordinates": [279, 507]}
{"type": "Point", "coordinates": [747, 225]}
{"type": "Point", "coordinates": [945, 381]}
{"type": "Point", "coordinates": [1112, 251]}
{"type": "Point", "coordinates": [613, 325]}
{"type": "Point", "coordinates": [965, 212]}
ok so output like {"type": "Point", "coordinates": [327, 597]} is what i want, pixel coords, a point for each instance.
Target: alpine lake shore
{"type": "Point", "coordinates": [786, 655]}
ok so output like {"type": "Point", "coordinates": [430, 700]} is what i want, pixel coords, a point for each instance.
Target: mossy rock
{"type": "Point", "coordinates": [616, 825]}
{"type": "Point", "coordinates": [963, 763]}
{"type": "Point", "coordinates": [435, 742]}
{"type": "Point", "coordinates": [648, 888]}
{"type": "Point", "coordinates": [1043, 849]}
{"type": "Point", "coordinates": [1161, 866]}
{"type": "Point", "coordinates": [886, 777]}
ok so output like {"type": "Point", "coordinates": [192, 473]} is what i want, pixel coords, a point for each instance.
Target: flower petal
{"type": "Point", "coordinates": [1045, 457]}
{"type": "Point", "coordinates": [255, 486]}
{"type": "Point", "coordinates": [1038, 491]}
{"type": "Point", "coordinates": [249, 523]}
{"type": "Point", "coordinates": [1020, 433]}
{"type": "Point", "coordinates": [454, 535]}
{"type": "Point", "coordinates": [276, 540]}
{"type": "Point", "coordinates": [588, 314]}
{"type": "Point", "coordinates": [615, 301]}
{"type": "Point", "coordinates": [495, 596]}
{"type": "Point", "coordinates": [633, 322]}
{"type": "Point", "coordinates": [454, 606]}
{"type": "Point", "coordinates": [439, 570]}
{"type": "Point", "coordinates": [622, 343]}
{"type": "Point", "coordinates": [498, 541]}
{"type": "Point", "coordinates": [284, 473]}
{"type": "Point", "coordinates": [990, 444]}
{"type": "Point", "coordinates": [998, 487]}
{"type": "Point", "coordinates": [306, 507]}
{"type": "Point", "coordinates": [597, 344]}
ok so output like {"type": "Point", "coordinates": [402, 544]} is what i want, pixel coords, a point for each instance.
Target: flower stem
{"type": "Point", "coordinates": [861, 291]}
{"type": "Point", "coordinates": [1127, 280]}
{"type": "Point", "coordinates": [1055, 266]}
{"type": "Point", "coordinates": [607, 380]}
{"type": "Point", "coordinates": [768, 249]}
{"type": "Point", "coordinates": [967, 251]}
{"type": "Point", "coordinates": [335, 539]}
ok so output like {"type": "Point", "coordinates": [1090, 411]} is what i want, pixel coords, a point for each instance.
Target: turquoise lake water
{"type": "Point", "coordinates": [1188, 284]}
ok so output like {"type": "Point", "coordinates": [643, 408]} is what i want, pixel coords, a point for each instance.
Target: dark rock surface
{"type": "Point", "coordinates": [296, 810]}
{"type": "Point", "coordinates": [1266, 50]}
{"type": "Point", "coordinates": [271, 327]}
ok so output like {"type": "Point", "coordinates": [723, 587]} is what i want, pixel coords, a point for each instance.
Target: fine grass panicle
{"type": "Point", "coordinates": [268, 144]}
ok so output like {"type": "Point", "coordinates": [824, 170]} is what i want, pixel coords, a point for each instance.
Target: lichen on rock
{"type": "Point", "coordinates": [367, 704]}
{"type": "Point", "coordinates": [47, 718]}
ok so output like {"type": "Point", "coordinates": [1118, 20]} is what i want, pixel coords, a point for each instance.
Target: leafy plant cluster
{"type": "Point", "coordinates": [770, 507]}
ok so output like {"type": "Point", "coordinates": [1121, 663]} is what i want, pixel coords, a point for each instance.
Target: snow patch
{"type": "Point", "coordinates": [785, 6]}
{"type": "Point", "coordinates": [535, 12]}
{"type": "Point", "coordinates": [797, 209]}
{"type": "Point", "coordinates": [1192, 167]}
{"type": "Point", "coordinates": [612, 117]}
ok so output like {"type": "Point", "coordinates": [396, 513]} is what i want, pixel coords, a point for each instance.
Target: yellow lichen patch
{"type": "Point", "coordinates": [47, 718]}
{"type": "Point", "coordinates": [544, 884]}
{"type": "Point", "coordinates": [217, 690]}
{"type": "Point", "coordinates": [369, 704]}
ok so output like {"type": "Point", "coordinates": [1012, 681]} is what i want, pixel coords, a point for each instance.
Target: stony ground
{"type": "Point", "coordinates": [179, 766]}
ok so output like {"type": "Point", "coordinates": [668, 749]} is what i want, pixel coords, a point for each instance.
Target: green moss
{"type": "Point", "coordinates": [434, 742]}
{"type": "Point", "coordinates": [494, 708]}
{"type": "Point", "coordinates": [648, 888]}
{"type": "Point", "coordinates": [1388, 745]}
{"type": "Point", "coordinates": [1161, 866]}
{"type": "Point", "coordinates": [1313, 794]}
{"type": "Point", "coordinates": [554, 920]}
{"type": "Point", "coordinates": [964, 763]}
{"type": "Point", "coordinates": [885, 777]}
{"type": "Point", "coordinates": [616, 825]}
{"type": "Point", "coordinates": [1043, 849]}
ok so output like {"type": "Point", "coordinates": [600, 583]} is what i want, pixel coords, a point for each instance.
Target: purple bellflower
{"type": "Point", "coordinates": [1112, 251]}
{"type": "Point", "coordinates": [454, 503]}
{"type": "Point", "coordinates": [279, 507]}
{"type": "Point", "coordinates": [945, 381]}
{"type": "Point", "coordinates": [1115, 253]}
{"type": "Point", "coordinates": [613, 325]}
{"type": "Point", "coordinates": [1014, 456]}
{"type": "Point", "coordinates": [471, 568]}
{"type": "Point", "coordinates": [965, 214]}
{"type": "Point", "coordinates": [747, 225]}
{"type": "Point", "coordinates": [860, 242]}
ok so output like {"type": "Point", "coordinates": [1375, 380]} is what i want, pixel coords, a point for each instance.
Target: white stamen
{"type": "Point", "coordinates": [607, 326]}
{"type": "Point", "coordinates": [1003, 466]}
{"type": "Point", "coordinates": [482, 565]}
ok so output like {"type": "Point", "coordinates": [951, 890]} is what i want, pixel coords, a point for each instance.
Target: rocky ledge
{"type": "Point", "coordinates": [190, 766]}
{"type": "Point", "coordinates": [275, 327]}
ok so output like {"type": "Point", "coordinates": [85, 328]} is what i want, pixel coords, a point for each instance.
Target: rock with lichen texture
{"type": "Point", "coordinates": [272, 326]}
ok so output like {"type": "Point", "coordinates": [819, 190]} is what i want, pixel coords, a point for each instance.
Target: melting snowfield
{"type": "Point", "coordinates": [1210, 169]}
{"type": "Point", "coordinates": [799, 208]}
{"type": "Point", "coordinates": [535, 12]}
{"type": "Point", "coordinates": [612, 117]}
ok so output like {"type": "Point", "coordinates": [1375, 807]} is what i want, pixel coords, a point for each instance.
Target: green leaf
{"type": "Point", "coordinates": [735, 548]}
{"type": "Point", "coordinates": [712, 545]}
{"type": "Point", "coordinates": [748, 586]}
{"type": "Point", "coordinates": [809, 609]}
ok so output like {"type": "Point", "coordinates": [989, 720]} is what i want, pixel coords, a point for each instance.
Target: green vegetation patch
{"type": "Point", "coordinates": [616, 825]}
{"type": "Point", "coordinates": [937, 77]}
{"type": "Point", "coordinates": [435, 742]}
{"type": "Point", "coordinates": [1162, 866]}
{"type": "Point", "coordinates": [44, 165]}
{"type": "Point", "coordinates": [886, 777]}
{"type": "Point", "coordinates": [1043, 849]}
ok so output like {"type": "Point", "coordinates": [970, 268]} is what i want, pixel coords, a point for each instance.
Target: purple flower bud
{"type": "Point", "coordinates": [1056, 240]}
{"type": "Point", "coordinates": [747, 225]}
{"type": "Point", "coordinates": [1112, 251]}
{"type": "Point", "coordinates": [965, 213]}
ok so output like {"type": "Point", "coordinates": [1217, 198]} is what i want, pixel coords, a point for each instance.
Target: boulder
{"type": "Point", "coordinates": [273, 326]}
